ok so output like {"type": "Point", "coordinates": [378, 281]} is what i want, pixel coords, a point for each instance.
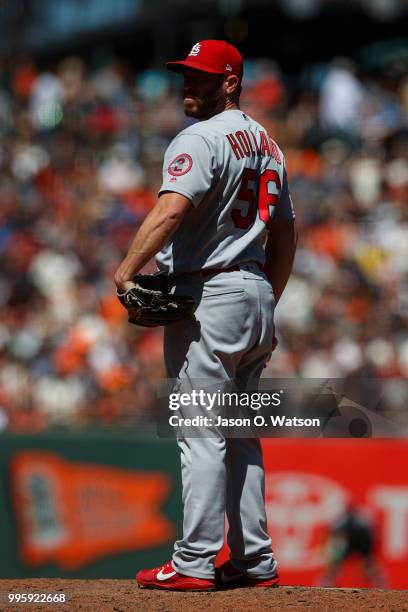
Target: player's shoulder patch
{"type": "Point", "coordinates": [180, 165]}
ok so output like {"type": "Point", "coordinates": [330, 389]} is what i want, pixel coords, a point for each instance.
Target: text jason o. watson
{"type": "Point", "coordinates": [258, 421]}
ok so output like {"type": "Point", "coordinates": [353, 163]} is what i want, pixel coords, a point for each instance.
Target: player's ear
{"type": "Point", "coordinates": [231, 84]}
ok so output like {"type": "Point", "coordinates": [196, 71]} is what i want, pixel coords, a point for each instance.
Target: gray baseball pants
{"type": "Point", "coordinates": [231, 337]}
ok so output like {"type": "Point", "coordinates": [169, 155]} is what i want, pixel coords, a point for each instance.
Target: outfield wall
{"type": "Point", "coordinates": [104, 504]}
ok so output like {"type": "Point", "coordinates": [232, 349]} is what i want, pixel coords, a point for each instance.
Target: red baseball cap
{"type": "Point", "coordinates": [213, 56]}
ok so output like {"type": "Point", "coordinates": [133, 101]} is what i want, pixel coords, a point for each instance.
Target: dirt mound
{"type": "Point", "coordinates": [123, 595]}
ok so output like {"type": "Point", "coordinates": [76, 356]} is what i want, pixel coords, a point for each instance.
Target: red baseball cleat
{"type": "Point", "coordinates": [227, 577]}
{"type": "Point", "coordinates": [165, 577]}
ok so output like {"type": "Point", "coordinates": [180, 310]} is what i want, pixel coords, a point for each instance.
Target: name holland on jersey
{"type": "Point", "coordinates": [258, 421]}
{"type": "Point", "coordinates": [244, 144]}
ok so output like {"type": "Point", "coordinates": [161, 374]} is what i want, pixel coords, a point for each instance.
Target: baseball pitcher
{"type": "Point", "coordinates": [224, 237]}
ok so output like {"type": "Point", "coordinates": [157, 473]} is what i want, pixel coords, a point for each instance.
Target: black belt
{"type": "Point", "coordinates": [212, 271]}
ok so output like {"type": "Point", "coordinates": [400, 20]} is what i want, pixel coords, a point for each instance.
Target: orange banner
{"type": "Point", "coordinates": [74, 513]}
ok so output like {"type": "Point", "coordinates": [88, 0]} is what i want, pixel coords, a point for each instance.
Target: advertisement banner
{"type": "Point", "coordinates": [87, 504]}
{"type": "Point", "coordinates": [310, 485]}
{"type": "Point", "coordinates": [107, 505]}
{"type": "Point", "coordinates": [73, 513]}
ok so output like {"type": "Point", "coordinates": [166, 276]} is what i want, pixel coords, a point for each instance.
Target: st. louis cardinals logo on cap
{"type": "Point", "coordinates": [195, 49]}
{"type": "Point", "coordinates": [180, 165]}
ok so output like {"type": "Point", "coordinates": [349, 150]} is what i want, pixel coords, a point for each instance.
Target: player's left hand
{"type": "Point", "coordinates": [149, 302]}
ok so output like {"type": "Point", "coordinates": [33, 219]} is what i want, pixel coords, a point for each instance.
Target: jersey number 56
{"type": "Point", "coordinates": [256, 190]}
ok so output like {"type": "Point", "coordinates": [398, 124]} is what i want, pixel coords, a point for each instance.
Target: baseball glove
{"type": "Point", "coordinates": [150, 302]}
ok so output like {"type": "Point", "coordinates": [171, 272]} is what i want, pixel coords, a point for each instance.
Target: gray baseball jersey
{"type": "Point", "coordinates": [234, 174]}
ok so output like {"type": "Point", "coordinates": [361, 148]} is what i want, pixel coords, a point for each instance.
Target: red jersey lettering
{"type": "Point", "coordinates": [264, 144]}
{"type": "Point", "coordinates": [274, 151]}
{"type": "Point", "coordinates": [235, 146]}
{"type": "Point", "coordinates": [249, 142]}
{"type": "Point", "coordinates": [255, 143]}
{"type": "Point", "coordinates": [243, 142]}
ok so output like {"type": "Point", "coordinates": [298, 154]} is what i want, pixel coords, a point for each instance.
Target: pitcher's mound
{"type": "Point", "coordinates": [123, 595]}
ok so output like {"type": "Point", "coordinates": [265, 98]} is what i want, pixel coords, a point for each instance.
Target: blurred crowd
{"type": "Point", "coordinates": [81, 151]}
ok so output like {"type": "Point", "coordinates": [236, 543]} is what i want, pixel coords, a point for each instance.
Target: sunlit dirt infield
{"type": "Point", "coordinates": [121, 595]}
